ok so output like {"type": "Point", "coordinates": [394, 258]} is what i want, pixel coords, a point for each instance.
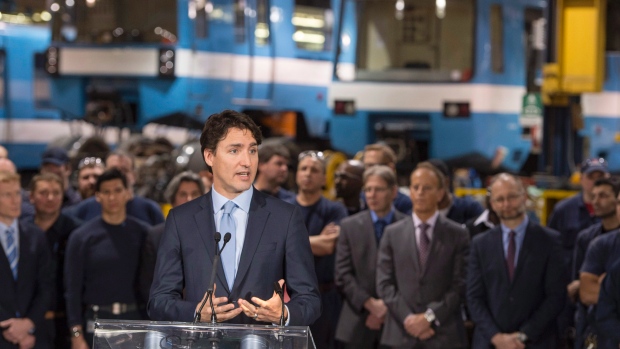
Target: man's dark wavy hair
{"type": "Point", "coordinates": [217, 126]}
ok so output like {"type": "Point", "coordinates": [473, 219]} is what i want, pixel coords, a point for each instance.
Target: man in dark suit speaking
{"type": "Point", "coordinates": [269, 241]}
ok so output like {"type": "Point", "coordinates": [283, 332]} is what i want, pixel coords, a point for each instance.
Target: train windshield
{"type": "Point", "coordinates": [114, 21]}
{"type": "Point", "coordinates": [421, 40]}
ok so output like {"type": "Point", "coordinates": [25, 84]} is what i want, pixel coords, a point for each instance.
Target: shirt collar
{"type": "Point", "coordinates": [431, 221]}
{"type": "Point", "coordinates": [519, 230]}
{"type": "Point", "coordinates": [388, 218]}
{"type": "Point", "coordinates": [484, 218]}
{"type": "Point", "coordinates": [4, 227]}
{"type": "Point", "coordinates": [242, 200]}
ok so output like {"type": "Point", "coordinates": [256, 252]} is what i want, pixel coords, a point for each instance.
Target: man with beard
{"type": "Point", "coordinates": [515, 281]}
{"type": "Point", "coordinates": [89, 169]}
{"type": "Point", "coordinates": [604, 196]}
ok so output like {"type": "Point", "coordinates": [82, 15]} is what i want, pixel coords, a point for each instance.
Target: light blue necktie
{"type": "Point", "coordinates": [11, 250]}
{"type": "Point", "coordinates": [229, 259]}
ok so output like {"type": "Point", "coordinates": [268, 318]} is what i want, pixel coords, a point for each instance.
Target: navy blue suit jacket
{"type": "Point", "coordinates": [531, 302]}
{"type": "Point", "coordinates": [276, 247]}
{"type": "Point", "coordinates": [29, 296]}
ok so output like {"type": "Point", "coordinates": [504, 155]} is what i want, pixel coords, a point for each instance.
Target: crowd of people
{"type": "Point", "coordinates": [423, 270]}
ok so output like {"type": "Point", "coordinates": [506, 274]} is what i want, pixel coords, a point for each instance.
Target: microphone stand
{"type": "Point", "coordinates": [216, 259]}
{"type": "Point", "coordinates": [278, 289]}
{"type": "Point", "coordinates": [213, 335]}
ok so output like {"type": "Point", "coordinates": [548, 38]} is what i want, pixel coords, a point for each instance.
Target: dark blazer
{"type": "Point", "coordinates": [30, 295]}
{"type": "Point", "coordinates": [407, 289]}
{"type": "Point", "coordinates": [534, 299]}
{"type": "Point", "coordinates": [356, 265]}
{"type": "Point", "coordinates": [276, 247]}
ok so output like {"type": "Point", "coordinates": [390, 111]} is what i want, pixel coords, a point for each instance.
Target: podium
{"type": "Point", "coordinates": [126, 334]}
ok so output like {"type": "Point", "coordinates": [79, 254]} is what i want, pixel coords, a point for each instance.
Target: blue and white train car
{"type": "Point", "coordinates": [434, 78]}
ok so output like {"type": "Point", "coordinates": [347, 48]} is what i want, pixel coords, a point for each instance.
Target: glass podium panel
{"type": "Point", "coordinates": [126, 334]}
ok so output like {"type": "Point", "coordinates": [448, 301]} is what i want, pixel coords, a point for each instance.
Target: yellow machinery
{"type": "Point", "coordinates": [580, 51]}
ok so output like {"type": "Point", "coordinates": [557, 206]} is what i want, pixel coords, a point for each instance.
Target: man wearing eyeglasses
{"type": "Point", "coordinates": [89, 169]}
{"type": "Point", "coordinates": [363, 312]}
{"type": "Point", "coordinates": [421, 271]}
{"type": "Point", "coordinates": [516, 278]}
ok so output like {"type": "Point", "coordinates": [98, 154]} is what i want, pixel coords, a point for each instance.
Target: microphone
{"type": "Point", "coordinates": [279, 292]}
{"type": "Point", "coordinates": [210, 290]}
{"type": "Point", "coordinates": [216, 259]}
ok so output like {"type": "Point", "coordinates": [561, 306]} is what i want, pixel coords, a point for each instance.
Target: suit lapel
{"type": "Point", "coordinates": [411, 241]}
{"type": "Point", "coordinates": [257, 218]}
{"type": "Point", "coordinates": [437, 243]}
{"type": "Point", "coordinates": [24, 257]}
{"type": "Point", "coordinates": [5, 268]}
{"type": "Point", "coordinates": [206, 229]}
{"type": "Point", "coordinates": [526, 247]}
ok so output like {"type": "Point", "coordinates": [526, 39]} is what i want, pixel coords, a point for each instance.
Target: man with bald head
{"type": "Point", "coordinates": [516, 277]}
{"type": "Point", "coordinates": [348, 182]}
{"type": "Point", "coordinates": [7, 165]}
{"type": "Point", "coordinates": [421, 271]}
{"type": "Point", "coordinates": [3, 153]}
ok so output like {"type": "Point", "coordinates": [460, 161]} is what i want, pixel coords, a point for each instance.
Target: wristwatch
{"type": "Point", "coordinates": [429, 315]}
{"type": "Point", "coordinates": [522, 337]}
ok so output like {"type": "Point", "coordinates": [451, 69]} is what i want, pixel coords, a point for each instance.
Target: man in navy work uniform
{"type": "Point", "coordinates": [269, 241]}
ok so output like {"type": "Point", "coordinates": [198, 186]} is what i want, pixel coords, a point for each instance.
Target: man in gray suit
{"type": "Point", "coordinates": [363, 312]}
{"type": "Point", "coordinates": [421, 271]}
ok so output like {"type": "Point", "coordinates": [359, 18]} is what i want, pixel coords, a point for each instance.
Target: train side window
{"type": "Point", "coordinates": [240, 20]}
{"type": "Point", "coordinates": [497, 38]}
{"type": "Point", "coordinates": [313, 23]}
{"type": "Point", "coordinates": [261, 32]}
{"type": "Point", "coordinates": [113, 22]}
{"type": "Point", "coordinates": [415, 40]}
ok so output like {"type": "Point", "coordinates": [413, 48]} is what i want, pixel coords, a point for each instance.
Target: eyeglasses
{"type": "Point", "coordinates": [508, 198]}
{"type": "Point", "coordinates": [90, 161]}
{"type": "Point", "coordinates": [311, 153]}
{"type": "Point", "coordinates": [368, 190]}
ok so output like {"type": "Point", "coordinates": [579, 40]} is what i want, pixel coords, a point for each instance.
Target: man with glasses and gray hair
{"type": "Point", "coordinates": [363, 312]}
{"type": "Point", "coordinates": [516, 278]}
{"type": "Point", "coordinates": [382, 154]}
